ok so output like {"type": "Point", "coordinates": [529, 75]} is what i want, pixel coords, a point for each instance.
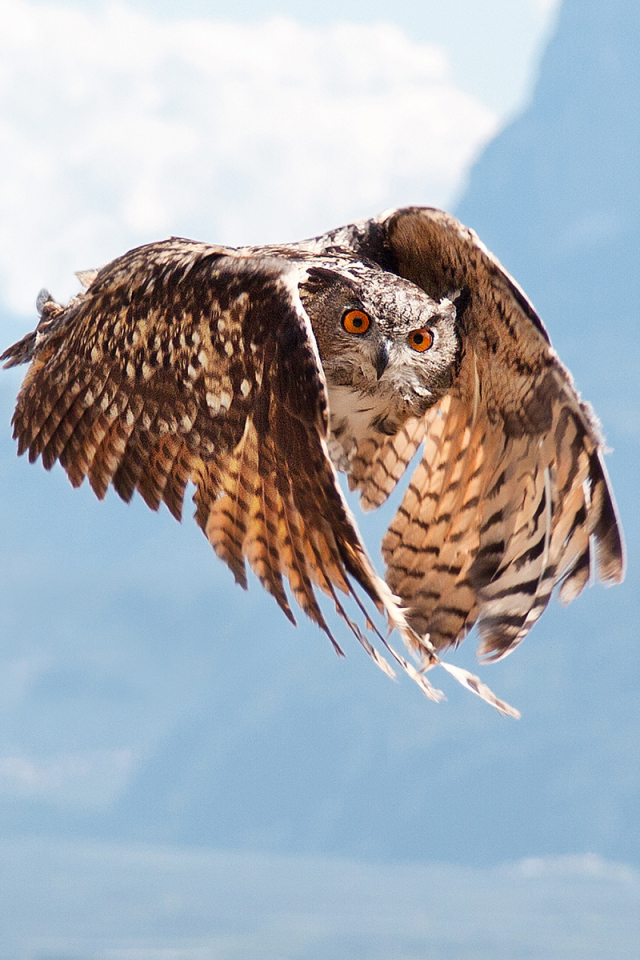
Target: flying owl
{"type": "Point", "coordinates": [256, 373]}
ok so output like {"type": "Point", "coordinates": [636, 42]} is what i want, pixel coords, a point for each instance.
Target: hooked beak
{"type": "Point", "coordinates": [383, 358]}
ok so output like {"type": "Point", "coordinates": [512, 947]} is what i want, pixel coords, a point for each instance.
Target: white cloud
{"type": "Point", "coordinates": [545, 10]}
{"type": "Point", "coordinates": [117, 128]}
{"type": "Point", "coordinates": [17, 677]}
{"type": "Point", "coordinates": [578, 866]}
{"type": "Point", "coordinates": [92, 778]}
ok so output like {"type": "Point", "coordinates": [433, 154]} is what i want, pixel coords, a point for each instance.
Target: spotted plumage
{"type": "Point", "coordinates": [257, 372]}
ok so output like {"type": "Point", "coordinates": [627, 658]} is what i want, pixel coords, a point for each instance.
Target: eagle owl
{"type": "Point", "coordinates": [258, 372]}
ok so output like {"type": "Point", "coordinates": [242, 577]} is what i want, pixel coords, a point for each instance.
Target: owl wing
{"type": "Point", "coordinates": [511, 497]}
{"type": "Point", "coordinates": [184, 362]}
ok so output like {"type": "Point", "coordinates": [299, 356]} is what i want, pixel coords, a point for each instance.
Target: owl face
{"type": "Point", "coordinates": [381, 335]}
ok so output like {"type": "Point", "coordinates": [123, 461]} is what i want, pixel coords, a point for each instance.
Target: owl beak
{"type": "Point", "coordinates": [382, 359]}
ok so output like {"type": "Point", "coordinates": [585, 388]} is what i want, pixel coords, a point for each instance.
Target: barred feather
{"type": "Point", "coordinates": [180, 362]}
{"type": "Point", "coordinates": [511, 492]}
{"type": "Point", "coordinates": [184, 362]}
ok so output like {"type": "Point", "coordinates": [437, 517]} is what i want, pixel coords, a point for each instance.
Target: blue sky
{"type": "Point", "coordinates": [96, 901]}
{"type": "Point", "coordinates": [121, 123]}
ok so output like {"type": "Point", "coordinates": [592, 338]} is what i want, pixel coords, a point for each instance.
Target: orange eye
{"type": "Point", "coordinates": [420, 339]}
{"type": "Point", "coordinates": [356, 321]}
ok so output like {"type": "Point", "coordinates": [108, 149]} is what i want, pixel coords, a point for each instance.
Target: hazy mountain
{"type": "Point", "coordinates": [145, 697]}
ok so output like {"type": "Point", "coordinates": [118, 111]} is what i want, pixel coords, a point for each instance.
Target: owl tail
{"type": "Point", "coordinates": [468, 680]}
{"type": "Point", "coordinates": [475, 684]}
{"type": "Point", "coordinates": [425, 649]}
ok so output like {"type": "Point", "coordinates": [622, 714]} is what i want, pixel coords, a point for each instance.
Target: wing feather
{"type": "Point", "coordinates": [377, 467]}
{"type": "Point", "coordinates": [511, 493]}
{"type": "Point", "coordinates": [184, 362]}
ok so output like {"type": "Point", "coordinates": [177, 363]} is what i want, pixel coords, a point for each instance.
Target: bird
{"type": "Point", "coordinates": [259, 373]}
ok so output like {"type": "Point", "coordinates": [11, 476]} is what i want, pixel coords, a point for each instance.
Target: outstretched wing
{"type": "Point", "coordinates": [511, 494]}
{"type": "Point", "coordinates": [183, 362]}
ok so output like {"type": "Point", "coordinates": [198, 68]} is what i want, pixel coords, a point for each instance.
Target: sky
{"type": "Point", "coordinates": [493, 46]}
{"type": "Point", "coordinates": [122, 123]}
{"type": "Point", "coordinates": [96, 901]}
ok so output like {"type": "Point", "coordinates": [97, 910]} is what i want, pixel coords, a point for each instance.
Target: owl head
{"type": "Point", "coordinates": [380, 334]}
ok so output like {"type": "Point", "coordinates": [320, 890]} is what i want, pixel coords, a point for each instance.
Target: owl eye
{"type": "Point", "coordinates": [356, 321]}
{"type": "Point", "coordinates": [420, 339]}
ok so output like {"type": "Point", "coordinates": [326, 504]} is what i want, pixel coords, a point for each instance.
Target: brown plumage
{"type": "Point", "coordinates": [511, 495]}
{"type": "Point", "coordinates": [245, 372]}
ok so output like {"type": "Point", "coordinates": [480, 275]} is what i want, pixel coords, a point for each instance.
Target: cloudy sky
{"type": "Point", "coordinates": [116, 902]}
{"type": "Point", "coordinates": [122, 123]}
{"type": "Point", "coordinates": [125, 122]}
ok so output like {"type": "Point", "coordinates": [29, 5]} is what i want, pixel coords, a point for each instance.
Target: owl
{"type": "Point", "coordinates": [257, 373]}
